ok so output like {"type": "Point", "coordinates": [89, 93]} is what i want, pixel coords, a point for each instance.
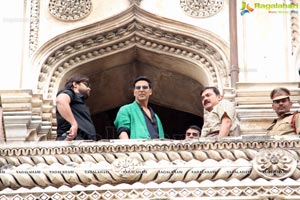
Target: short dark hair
{"type": "Point", "coordinates": [142, 78]}
{"type": "Point", "coordinates": [278, 90]}
{"type": "Point", "coordinates": [195, 127]}
{"type": "Point", "coordinates": [77, 79]}
{"type": "Point", "coordinates": [215, 90]}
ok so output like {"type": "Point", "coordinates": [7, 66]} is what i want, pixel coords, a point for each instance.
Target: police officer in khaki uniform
{"type": "Point", "coordinates": [287, 123]}
{"type": "Point", "coordinates": [220, 118]}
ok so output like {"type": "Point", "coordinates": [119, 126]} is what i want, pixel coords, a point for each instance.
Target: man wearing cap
{"type": "Point", "coordinates": [137, 120]}
{"type": "Point", "coordinates": [287, 123]}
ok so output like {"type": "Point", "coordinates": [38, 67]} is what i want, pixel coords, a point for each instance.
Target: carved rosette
{"type": "Point", "coordinates": [275, 164]}
{"type": "Point", "coordinates": [126, 167]}
{"type": "Point", "coordinates": [201, 8]}
{"type": "Point", "coordinates": [70, 10]}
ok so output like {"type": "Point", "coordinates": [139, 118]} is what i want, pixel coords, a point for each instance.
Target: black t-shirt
{"type": "Point", "coordinates": [151, 125]}
{"type": "Point", "coordinates": [81, 114]}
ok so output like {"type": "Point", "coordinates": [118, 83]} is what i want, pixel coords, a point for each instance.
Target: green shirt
{"type": "Point", "coordinates": [131, 116]}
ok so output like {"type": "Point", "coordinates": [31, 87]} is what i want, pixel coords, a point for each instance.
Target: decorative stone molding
{"type": "Point", "coordinates": [137, 2]}
{"type": "Point", "coordinates": [137, 30]}
{"type": "Point", "coordinates": [26, 116]}
{"type": "Point", "coordinates": [127, 167]}
{"type": "Point", "coordinates": [294, 27]}
{"type": "Point", "coordinates": [203, 8]}
{"type": "Point", "coordinates": [34, 25]}
{"type": "Point", "coordinates": [275, 164]}
{"type": "Point", "coordinates": [70, 10]}
{"type": "Point", "coordinates": [209, 167]}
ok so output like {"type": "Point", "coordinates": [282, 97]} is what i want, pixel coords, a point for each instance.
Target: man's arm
{"type": "Point", "coordinates": [122, 123]}
{"type": "Point", "coordinates": [226, 124]}
{"type": "Point", "coordinates": [297, 123]}
{"type": "Point", "coordinates": [63, 106]}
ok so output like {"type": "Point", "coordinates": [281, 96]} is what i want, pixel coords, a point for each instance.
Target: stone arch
{"type": "Point", "coordinates": [187, 58]}
{"type": "Point", "coordinates": [136, 29]}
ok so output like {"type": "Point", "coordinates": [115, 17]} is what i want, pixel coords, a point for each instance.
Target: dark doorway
{"type": "Point", "coordinates": [174, 122]}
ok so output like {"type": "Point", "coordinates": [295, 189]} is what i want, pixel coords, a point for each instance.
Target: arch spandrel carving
{"type": "Point", "coordinates": [201, 9]}
{"type": "Point", "coordinates": [70, 10]}
{"type": "Point", "coordinates": [138, 29]}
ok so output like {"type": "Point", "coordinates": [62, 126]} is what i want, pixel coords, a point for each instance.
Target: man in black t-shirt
{"type": "Point", "coordinates": [74, 120]}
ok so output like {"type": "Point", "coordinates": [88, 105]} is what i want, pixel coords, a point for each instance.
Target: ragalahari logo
{"type": "Point", "coordinates": [246, 8]}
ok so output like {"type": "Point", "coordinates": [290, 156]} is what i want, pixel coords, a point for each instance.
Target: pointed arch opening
{"type": "Point", "coordinates": [180, 60]}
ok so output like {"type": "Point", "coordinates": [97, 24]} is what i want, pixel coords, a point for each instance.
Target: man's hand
{"type": "Point", "coordinates": [72, 133]}
{"type": "Point", "coordinates": [123, 135]}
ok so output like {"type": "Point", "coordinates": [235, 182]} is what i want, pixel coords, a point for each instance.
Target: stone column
{"type": "Point", "coordinates": [234, 68]}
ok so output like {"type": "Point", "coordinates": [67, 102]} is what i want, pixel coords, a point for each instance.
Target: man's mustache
{"type": "Point", "coordinates": [206, 101]}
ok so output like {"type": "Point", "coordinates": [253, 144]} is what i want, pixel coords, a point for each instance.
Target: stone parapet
{"type": "Point", "coordinates": [242, 167]}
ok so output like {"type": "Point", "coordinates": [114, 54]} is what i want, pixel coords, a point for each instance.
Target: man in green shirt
{"type": "Point", "coordinates": [137, 120]}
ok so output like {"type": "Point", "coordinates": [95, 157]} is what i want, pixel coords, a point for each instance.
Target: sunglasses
{"type": "Point", "coordinates": [144, 87]}
{"type": "Point", "coordinates": [194, 134]}
{"type": "Point", "coordinates": [87, 84]}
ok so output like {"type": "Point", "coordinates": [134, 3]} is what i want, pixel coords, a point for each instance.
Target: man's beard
{"type": "Point", "coordinates": [85, 95]}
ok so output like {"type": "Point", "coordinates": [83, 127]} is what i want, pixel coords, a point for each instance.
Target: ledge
{"type": "Point", "coordinates": [236, 167]}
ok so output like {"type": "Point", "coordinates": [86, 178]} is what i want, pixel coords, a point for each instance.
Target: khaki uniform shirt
{"type": "Point", "coordinates": [283, 125]}
{"type": "Point", "coordinates": [212, 120]}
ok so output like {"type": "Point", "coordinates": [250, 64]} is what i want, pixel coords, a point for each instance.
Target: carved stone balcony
{"type": "Point", "coordinates": [243, 167]}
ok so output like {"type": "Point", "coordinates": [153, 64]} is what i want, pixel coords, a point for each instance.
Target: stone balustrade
{"type": "Point", "coordinates": [244, 167]}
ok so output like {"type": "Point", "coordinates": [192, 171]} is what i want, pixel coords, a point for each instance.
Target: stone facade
{"type": "Point", "coordinates": [183, 46]}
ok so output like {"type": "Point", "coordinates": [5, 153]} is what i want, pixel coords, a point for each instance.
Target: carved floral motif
{"type": "Point", "coordinates": [275, 164]}
{"type": "Point", "coordinates": [126, 167]}
{"type": "Point", "coordinates": [70, 10]}
{"type": "Point", "coordinates": [201, 8]}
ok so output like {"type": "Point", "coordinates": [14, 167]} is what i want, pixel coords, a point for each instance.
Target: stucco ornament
{"type": "Point", "coordinates": [201, 8]}
{"type": "Point", "coordinates": [70, 10]}
{"type": "Point", "coordinates": [275, 164]}
{"type": "Point", "coordinates": [126, 167]}
{"type": "Point", "coordinates": [137, 2]}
